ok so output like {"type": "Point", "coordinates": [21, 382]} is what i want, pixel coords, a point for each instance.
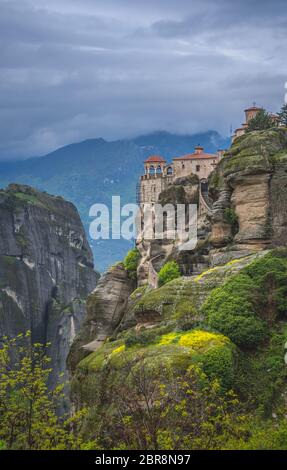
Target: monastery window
{"type": "Point", "coordinates": [164, 221]}
{"type": "Point", "coordinates": [183, 166]}
{"type": "Point", "coordinates": [197, 167]}
{"type": "Point", "coordinates": [204, 186]}
{"type": "Point", "coordinates": [159, 170]}
{"type": "Point", "coordinates": [169, 170]}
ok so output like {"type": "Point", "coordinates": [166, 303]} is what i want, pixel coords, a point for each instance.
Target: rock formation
{"type": "Point", "coordinates": [106, 306]}
{"type": "Point", "coordinates": [246, 208]}
{"type": "Point", "coordinates": [154, 253]}
{"type": "Point", "coordinates": [250, 198]}
{"type": "Point", "coordinates": [46, 270]}
{"type": "Point", "coordinates": [236, 287]}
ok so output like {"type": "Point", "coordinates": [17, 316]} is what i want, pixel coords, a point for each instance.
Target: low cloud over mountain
{"type": "Point", "coordinates": [71, 70]}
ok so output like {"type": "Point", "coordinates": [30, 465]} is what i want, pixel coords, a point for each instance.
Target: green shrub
{"type": "Point", "coordinates": [185, 315]}
{"type": "Point", "coordinates": [263, 373]}
{"type": "Point", "coordinates": [131, 262]}
{"type": "Point", "coordinates": [230, 216]}
{"type": "Point", "coordinates": [283, 115]}
{"type": "Point", "coordinates": [146, 336]}
{"type": "Point", "coordinates": [270, 275]}
{"type": "Point", "coordinates": [2, 445]}
{"type": "Point", "coordinates": [241, 307]}
{"type": "Point", "coordinates": [143, 338]}
{"type": "Point", "coordinates": [261, 121]}
{"type": "Point", "coordinates": [230, 310]}
{"type": "Point", "coordinates": [217, 363]}
{"type": "Point", "coordinates": [168, 272]}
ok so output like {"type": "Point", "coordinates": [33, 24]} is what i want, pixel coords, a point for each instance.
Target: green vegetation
{"type": "Point", "coordinates": [188, 408]}
{"type": "Point", "coordinates": [29, 198]}
{"type": "Point", "coordinates": [139, 291]}
{"type": "Point", "coordinates": [198, 364]}
{"type": "Point", "coordinates": [215, 180]}
{"type": "Point", "coordinates": [214, 385]}
{"type": "Point", "coordinates": [256, 151]}
{"type": "Point", "coordinates": [228, 327]}
{"type": "Point", "coordinates": [153, 408]}
{"type": "Point", "coordinates": [174, 194]}
{"type": "Point", "coordinates": [229, 309]}
{"type": "Point", "coordinates": [159, 347]}
{"type": "Point", "coordinates": [283, 115]}
{"type": "Point", "coordinates": [230, 216]}
{"type": "Point", "coordinates": [28, 410]}
{"type": "Point", "coordinates": [168, 272]}
{"type": "Point", "coordinates": [179, 301]}
{"type": "Point", "coordinates": [261, 121]}
{"type": "Point", "coordinates": [9, 260]}
{"type": "Point", "coordinates": [249, 301]}
{"type": "Point", "coordinates": [131, 262]}
{"type": "Point", "coordinates": [21, 238]}
{"type": "Point", "coordinates": [264, 373]}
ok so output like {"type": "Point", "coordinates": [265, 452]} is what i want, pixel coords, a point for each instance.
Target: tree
{"type": "Point", "coordinates": [131, 262]}
{"type": "Point", "coordinates": [28, 409]}
{"type": "Point", "coordinates": [283, 115]}
{"type": "Point", "coordinates": [151, 407]}
{"type": "Point", "coordinates": [168, 272]}
{"type": "Point", "coordinates": [261, 121]}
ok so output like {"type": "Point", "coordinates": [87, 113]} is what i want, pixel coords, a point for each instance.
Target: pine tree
{"type": "Point", "coordinates": [283, 115]}
{"type": "Point", "coordinates": [260, 122]}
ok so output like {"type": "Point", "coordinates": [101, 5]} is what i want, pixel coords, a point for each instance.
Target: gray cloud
{"type": "Point", "coordinates": [70, 70]}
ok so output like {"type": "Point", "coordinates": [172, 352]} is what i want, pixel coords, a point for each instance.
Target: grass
{"type": "Point", "coordinates": [29, 198]}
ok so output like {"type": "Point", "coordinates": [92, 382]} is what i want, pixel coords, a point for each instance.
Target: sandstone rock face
{"type": "Point", "coordinates": [154, 253]}
{"type": "Point", "coordinates": [251, 200]}
{"type": "Point", "coordinates": [105, 308]}
{"type": "Point", "coordinates": [250, 182]}
{"type": "Point", "coordinates": [46, 270]}
{"type": "Point", "coordinates": [220, 229]}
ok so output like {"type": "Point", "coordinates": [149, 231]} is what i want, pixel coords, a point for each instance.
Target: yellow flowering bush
{"type": "Point", "coordinates": [195, 339]}
{"type": "Point", "coordinates": [118, 350]}
{"type": "Point", "coordinates": [169, 338]}
{"type": "Point", "coordinates": [198, 339]}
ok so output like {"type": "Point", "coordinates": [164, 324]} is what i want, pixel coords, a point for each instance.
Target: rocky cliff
{"type": "Point", "coordinates": [246, 210]}
{"type": "Point", "coordinates": [154, 253]}
{"type": "Point", "coordinates": [225, 321]}
{"type": "Point", "coordinates": [228, 316]}
{"type": "Point", "coordinates": [249, 193]}
{"type": "Point", "coordinates": [106, 306]}
{"type": "Point", "coordinates": [46, 270]}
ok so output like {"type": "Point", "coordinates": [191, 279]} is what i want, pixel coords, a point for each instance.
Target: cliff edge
{"type": "Point", "coordinates": [46, 270]}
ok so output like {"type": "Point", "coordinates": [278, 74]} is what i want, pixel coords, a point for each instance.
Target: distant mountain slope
{"type": "Point", "coordinates": [93, 170]}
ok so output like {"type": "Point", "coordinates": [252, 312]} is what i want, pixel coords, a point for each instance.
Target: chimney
{"type": "Point", "coordinates": [198, 149]}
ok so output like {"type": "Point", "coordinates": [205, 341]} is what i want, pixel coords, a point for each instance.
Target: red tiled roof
{"type": "Point", "coordinates": [197, 156]}
{"type": "Point", "coordinates": [155, 159]}
{"type": "Point", "coordinates": [253, 108]}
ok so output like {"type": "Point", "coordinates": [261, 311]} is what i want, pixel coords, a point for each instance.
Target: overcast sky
{"type": "Point", "coordinates": [77, 69]}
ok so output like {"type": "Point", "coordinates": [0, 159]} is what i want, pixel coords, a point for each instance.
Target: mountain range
{"type": "Point", "coordinates": [94, 170]}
